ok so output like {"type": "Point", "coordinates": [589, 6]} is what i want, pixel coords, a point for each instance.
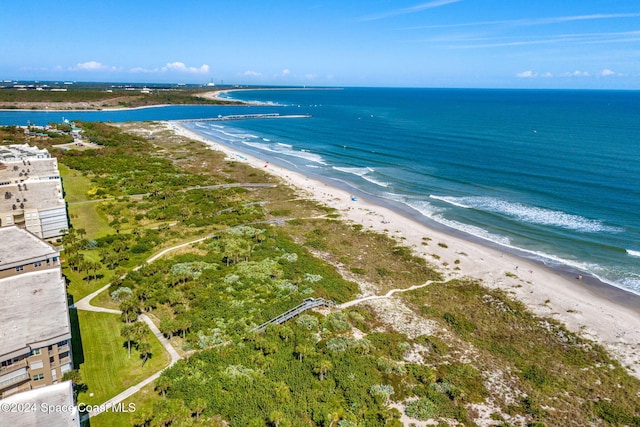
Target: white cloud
{"type": "Point", "coordinates": [407, 10]}
{"type": "Point", "coordinates": [547, 75]}
{"type": "Point", "coordinates": [284, 73]}
{"type": "Point", "coordinates": [182, 68]}
{"type": "Point", "coordinates": [251, 73]}
{"type": "Point", "coordinates": [143, 70]}
{"type": "Point", "coordinates": [527, 74]}
{"type": "Point", "coordinates": [535, 21]}
{"type": "Point", "coordinates": [607, 72]}
{"type": "Point", "coordinates": [577, 73]}
{"type": "Point", "coordinates": [89, 66]}
{"type": "Point", "coordinates": [33, 69]}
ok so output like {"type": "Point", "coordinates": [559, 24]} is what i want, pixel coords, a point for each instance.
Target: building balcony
{"type": "Point", "coordinates": [14, 380]}
{"type": "Point", "coordinates": [13, 367]}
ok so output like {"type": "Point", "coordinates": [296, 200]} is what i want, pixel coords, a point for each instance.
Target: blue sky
{"type": "Point", "coordinates": [412, 43]}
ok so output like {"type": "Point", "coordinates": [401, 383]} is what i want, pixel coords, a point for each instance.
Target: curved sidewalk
{"type": "Point", "coordinates": [85, 303]}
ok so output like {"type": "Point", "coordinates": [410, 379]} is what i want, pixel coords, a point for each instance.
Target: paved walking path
{"type": "Point", "coordinates": [85, 303]}
{"type": "Point", "coordinates": [175, 356]}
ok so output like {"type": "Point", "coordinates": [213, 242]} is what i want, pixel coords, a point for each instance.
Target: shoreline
{"type": "Point", "coordinates": [216, 94]}
{"type": "Point", "coordinates": [595, 310]}
{"type": "Point", "coordinates": [47, 110]}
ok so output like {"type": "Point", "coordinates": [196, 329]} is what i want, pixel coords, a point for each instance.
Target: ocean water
{"type": "Point", "coordinates": [553, 175]}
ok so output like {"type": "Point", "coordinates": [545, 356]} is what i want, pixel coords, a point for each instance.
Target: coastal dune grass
{"type": "Point", "coordinates": [561, 379]}
{"type": "Point", "coordinates": [372, 257]}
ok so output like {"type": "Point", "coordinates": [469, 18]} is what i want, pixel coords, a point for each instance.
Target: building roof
{"type": "Point", "coordinates": [51, 406]}
{"type": "Point", "coordinates": [39, 195]}
{"type": "Point", "coordinates": [28, 170]}
{"type": "Point", "coordinates": [20, 247]}
{"type": "Point", "coordinates": [22, 151]}
{"type": "Point", "coordinates": [33, 312]}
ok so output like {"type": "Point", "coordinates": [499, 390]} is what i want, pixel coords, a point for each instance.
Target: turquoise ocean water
{"type": "Point", "coordinates": [553, 175]}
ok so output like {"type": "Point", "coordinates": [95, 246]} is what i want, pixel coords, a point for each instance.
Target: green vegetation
{"type": "Point", "coordinates": [553, 369]}
{"type": "Point", "coordinates": [100, 96]}
{"type": "Point", "coordinates": [12, 135]}
{"type": "Point", "coordinates": [107, 369]}
{"type": "Point", "coordinates": [337, 368]}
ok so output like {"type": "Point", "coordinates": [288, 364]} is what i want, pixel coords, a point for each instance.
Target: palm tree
{"type": "Point", "coordinates": [81, 232]}
{"type": "Point", "coordinates": [162, 384]}
{"type": "Point", "coordinates": [285, 333]}
{"type": "Point", "coordinates": [282, 392]}
{"type": "Point", "coordinates": [322, 367]}
{"type": "Point", "coordinates": [303, 350]}
{"type": "Point", "coordinates": [198, 406]}
{"type": "Point", "coordinates": [130, 309]}
{"type": "Point", "coordinates": [276, 417]}
{"type": "Point", "coordinates": [144, 347]}
{"type": "Point", "coordinates": [128, 333]}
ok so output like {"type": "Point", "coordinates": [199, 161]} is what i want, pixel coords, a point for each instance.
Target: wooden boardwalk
{"type": "Point", "coordinates": [307, 304]}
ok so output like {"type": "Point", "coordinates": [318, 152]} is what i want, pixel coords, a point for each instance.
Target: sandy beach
{"type": "Point", "coordinates": [581, 304]}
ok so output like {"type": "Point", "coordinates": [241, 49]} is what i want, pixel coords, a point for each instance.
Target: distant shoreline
{"type": "Point", "coordinates": [215, 94]}
{"type": "Point", "coordinates": [212, 95]}
{"type": "Point", "coordinates": [56, 110]}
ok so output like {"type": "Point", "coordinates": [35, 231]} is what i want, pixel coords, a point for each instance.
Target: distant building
{"type": "Point", "coordinates": [31, 193]}
{"type": "Point", "coordinates": [35, 331]}
{"type": "Point", "coordinates": [19, 152]}
{"type": "Point", "coordinates": [52, 406]}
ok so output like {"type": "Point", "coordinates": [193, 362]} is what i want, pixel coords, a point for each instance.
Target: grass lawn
{"type": "Point", "coordinates": [79, 288]}
{"type": "Point", "coordinates": [75, 184]}
{"type": "Point", "coordinates": [103, 299]}
{"type": "Point", "coordinates": [106, 369]}
{"type": "Point", "coordinates": [143, 401]}
{"type": "Point", "coordinates": [83, 213]}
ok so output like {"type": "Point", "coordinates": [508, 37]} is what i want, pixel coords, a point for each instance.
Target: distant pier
{"type": "Point", "coordinates": [249, 116]}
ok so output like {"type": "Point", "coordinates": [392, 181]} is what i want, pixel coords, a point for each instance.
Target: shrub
{"type": "Point", "coordinates": [308, 322]}
{"type": "Point", "coordinates": [459, 323]}
{"type": "Point", "coordinates": [422, 409]}
{"type": "Point", "coordinates": [121, 294]}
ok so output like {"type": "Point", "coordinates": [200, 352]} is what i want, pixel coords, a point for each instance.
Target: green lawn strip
{"type": "Point", "coordinates": [83, 215]}
{"type": "Point", "coordinates": [75, 184]}
{"type": "Point", "coordinates": [87, 216]}
{"type": "Point", "coordinates": [107, 369]}
{"type": "Point", "coordinates": [103, 299]}
{"type": "Point", "coordinates": [141, 402]}
{"type": "Point", "coordinates": [78, 287]}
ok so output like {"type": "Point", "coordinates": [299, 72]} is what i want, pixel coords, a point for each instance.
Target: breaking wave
{"type": "Point", "coordinates": [364, 173]}
{"type": "Point", "coordinates": [530, 214]}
